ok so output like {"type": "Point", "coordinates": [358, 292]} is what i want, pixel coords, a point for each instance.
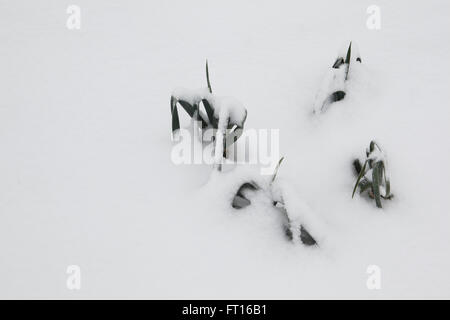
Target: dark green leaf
{"type": "Point", "coordinates": [347, 59]}
{"type": "Point", "coordinates": [174, 112]}
{"type": "Point", "coordinates": [361, 174]}
{"type": "Point", "coordinates": [387, 183]}
{"type": "Point", "coordinates": [376, 183]}
{"type": "Point", "coordinates": [207, 77]}
{"type": "Point", "coordinates": [276, 169]}
{"type": "Point", "coordinates": [349, 53]}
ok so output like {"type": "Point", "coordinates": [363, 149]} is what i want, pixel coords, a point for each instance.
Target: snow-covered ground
{"type": "Point", "coordinates": [86, 176]}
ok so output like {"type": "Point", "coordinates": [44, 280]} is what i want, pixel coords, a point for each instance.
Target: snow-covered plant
{"type": "Point", "coordinates": [373, 175]}
{"type": "Point", "coordinates": [333, 88]}
{"type": "Point", "coordinates": [292, 224]}
{"type": "Point", "coordinates": [225, 115]}
{"type": "Point", "coordinates": [293, 220]}
{"type": "Point", "coordinates": [240, 200]}
{"type": "Point", "coordinates": [292, 213]}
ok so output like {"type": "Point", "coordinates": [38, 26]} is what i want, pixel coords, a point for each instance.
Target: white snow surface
{"type": "Point", "coordinates": [191, 96]}
{"type": "Point", "coordinates": [87, 178]}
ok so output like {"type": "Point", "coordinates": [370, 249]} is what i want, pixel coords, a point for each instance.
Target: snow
{"type": "Point", "coordinates": [87, 178]}
{"type": "Point", "coordinates": [191, 96]}
{"type": "Point", "coordinates": [229, 108]}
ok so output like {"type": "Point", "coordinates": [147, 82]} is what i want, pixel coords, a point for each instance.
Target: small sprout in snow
{"type": "Point", "coordinates": [305, 237]}
{"type": "Point", "coordinates": [373, 175]}
{"type": "Point", "coordinates": [223, 114]}
{"type": "Point", "coordinates": [334, 86]}
{"type": "Point", "coordinates": [293, 229]}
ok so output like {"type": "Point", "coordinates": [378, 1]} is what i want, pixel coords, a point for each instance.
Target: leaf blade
{"type": "Point", "coordinates": [361, 174]}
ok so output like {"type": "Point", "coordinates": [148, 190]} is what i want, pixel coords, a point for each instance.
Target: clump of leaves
{"type": "Point", "coordinates": [373, 175]}
{"type": "Point", "coordinates": [192, 106]}
{"type": "Point", "coordinates": [340, 62]}
{"type": "Point", "coordinates": [292, 229]}
{"type": "Point", "coordinates": [200, 105]}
